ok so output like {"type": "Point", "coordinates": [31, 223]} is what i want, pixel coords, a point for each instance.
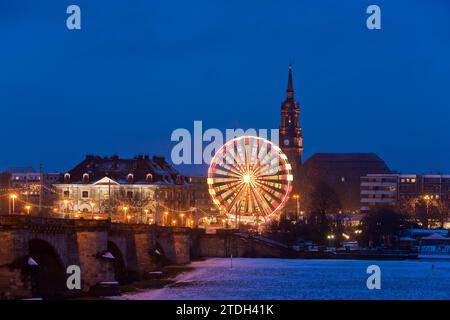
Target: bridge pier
{"type": "Point", "coordinates": [105, 252]}
{"type": "Point", "coordinates": [96, 264]}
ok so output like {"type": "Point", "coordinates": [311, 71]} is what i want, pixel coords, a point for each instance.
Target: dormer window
{"type": "Point", "coordinates": [85, 177]}
{"type": "Point", "coordinates": [130, 177]}
{"type": "Point", "coordinates": [66, 177]}
{"type": "Point", "coordinates": [149, 177]}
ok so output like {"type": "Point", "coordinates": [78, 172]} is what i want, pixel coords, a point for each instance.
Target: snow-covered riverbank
{"type": "Point", "coordinates": [305, 279]}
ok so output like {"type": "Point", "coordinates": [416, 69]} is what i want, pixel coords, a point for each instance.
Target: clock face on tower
{"type": "Point", "coordinates": [286, 142]}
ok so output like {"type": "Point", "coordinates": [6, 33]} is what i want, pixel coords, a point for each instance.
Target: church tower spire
{"type": "Point", "coordinates": [290, 86]}
{"type": "Point", "coordinates": [291, 140]}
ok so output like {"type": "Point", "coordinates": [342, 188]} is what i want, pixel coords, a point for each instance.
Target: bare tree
{"type": "Point", "coordinates": [443, 209]}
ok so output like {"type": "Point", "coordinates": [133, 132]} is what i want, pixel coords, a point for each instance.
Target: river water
{"type": "Point", "coordinates": [220, 278]}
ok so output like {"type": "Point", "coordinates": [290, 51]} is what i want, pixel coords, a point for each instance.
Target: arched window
{"type": "Point", "coordinates": [66, 177]}
{"type": "Point", "coordinates": [85, 177]}
{"type": "Point", "coordinates": [149, 177]}
{"type": "Point", "coordinates": [130, 177]}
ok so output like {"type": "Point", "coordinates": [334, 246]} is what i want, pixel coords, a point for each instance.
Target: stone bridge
{"type": "Point", "coordinates": [35, 253]}
{"type": "Point", "coordinates": [225, 243]}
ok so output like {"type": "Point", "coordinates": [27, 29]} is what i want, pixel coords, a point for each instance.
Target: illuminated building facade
{"type": "Point", "coordinates": [388, 189]}
{"type": "Point", "coordinates": [139, 190]}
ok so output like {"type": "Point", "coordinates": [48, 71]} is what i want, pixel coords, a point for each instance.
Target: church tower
{"type": "Point", "coordinates": [290, 139]}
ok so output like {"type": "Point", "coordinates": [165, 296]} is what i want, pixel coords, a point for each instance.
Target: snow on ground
{"type": "Point", "coordinates": [305, 279]}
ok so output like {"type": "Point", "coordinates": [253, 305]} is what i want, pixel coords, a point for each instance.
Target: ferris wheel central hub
{"type": "Point", "coordinates": [247, 178]}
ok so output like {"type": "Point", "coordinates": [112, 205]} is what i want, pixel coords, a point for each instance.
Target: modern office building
{"type": "Point", "coordinates": [385, 189]}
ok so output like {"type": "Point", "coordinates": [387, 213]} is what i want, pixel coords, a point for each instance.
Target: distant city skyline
{"type": "Point", "coordinates": [136, 72]}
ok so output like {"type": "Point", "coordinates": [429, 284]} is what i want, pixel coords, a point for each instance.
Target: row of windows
{"type": "Point", "coordinates": [130, 177]}
{"type": "Point", "coordinates": [130, 194]}
{"type": "Point", "coordinates": [377, 188]}
{"type": "Point", "coordinates": [378, 196]}
{"type": "Point", "coordinates": [85, 194]}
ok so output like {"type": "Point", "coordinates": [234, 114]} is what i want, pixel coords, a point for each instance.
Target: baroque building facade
{"type": "Point", "coordinates": [138, 190]}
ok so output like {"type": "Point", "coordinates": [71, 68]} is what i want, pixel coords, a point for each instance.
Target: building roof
{"type": "Point", "coordinates": [347, 165]}
{"type": "Point", "coordinates": [21, 170]}
{"type": "Point", "coordinates": [342, 172]}
{"type": "Point", "coordinates": [435, 236]}
{"type": "Point", "coordinates": [143, 169]}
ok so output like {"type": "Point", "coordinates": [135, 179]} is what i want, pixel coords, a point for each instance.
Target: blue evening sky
{"type": "Point", "coordinates": [140, 69]}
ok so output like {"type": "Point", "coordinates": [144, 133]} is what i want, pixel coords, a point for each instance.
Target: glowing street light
{"type": "Point", "coordinates": [125, 209]}
{"type": "Point", "coordinates": [166, 217]}
{"type": "Point", "coordinates": [182, 216]}
{"type": "Point", "coordinates": [28, 208]}
{"type": "Point", "coordinates": [13, 198]}
{"type": "Point", "coordinates": [128, 218]}
{"type": "Point", "coordinates": [92, 206]}
{"type": "Point", "coordinates": [174, 222]}
{"type": "Point", "coordinates": [66, 205]}
{"type": "Point", "coordinates": [427, 199]}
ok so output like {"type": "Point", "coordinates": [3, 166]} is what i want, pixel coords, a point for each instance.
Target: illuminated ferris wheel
{"type": "Point", "coordinates": [250, 177]}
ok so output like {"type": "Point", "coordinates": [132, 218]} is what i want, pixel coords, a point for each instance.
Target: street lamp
{"type": "Point", "coordinates": [92, 206]}
{"type": "Point", "coordinates": [28, 208]}
{"type": "Point", "coordinates": [330, 238]}
{"type": "Point", "coordinates": [13, 197]}
{"type": "Point", "coordinates": [427, 199]}
{"type": "Point", "coordinates": [297, 197]}
{"type": "Point", "coordinates": [128, 218]}
{"type": "Point", "coordinates": [146, 216]}
{"type": "Point", "coordinates": [174, 222]}
{"type": "Point", "coordinates": [125, 209]}
{"type": "Point", "coordinates": [66, 208]}
{"type": "Point", "coordinates": [166, 217]}
{"type": "Point", "coordinates": [182, 216]}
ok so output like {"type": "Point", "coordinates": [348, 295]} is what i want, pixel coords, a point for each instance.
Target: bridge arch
{"type": "Point", "coordinates": [158, 255]}
{"type": "Point", "coordinates": [120, 269]}
{"type": "Point", "coordinates": [49, 276]}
